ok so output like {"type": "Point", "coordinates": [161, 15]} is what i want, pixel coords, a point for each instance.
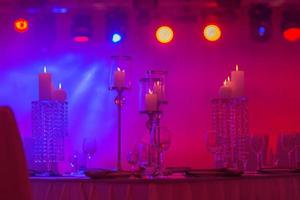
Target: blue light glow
{"type": "Point", "coordinates": [262, 31]}
{"type": "Point", "coordinates": [59, 10]}
{"type": "Point", "coordinates": [116, 37]}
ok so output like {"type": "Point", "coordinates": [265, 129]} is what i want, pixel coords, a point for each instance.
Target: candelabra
{"type": "Point", "coordinates": [152, 97]}
{"type": "Point", "coordinates": [119, 82]}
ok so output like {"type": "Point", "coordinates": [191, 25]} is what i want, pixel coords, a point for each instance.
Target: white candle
{"type": "Point", "coordinates": [60, 94]}
{"type": "Point", "coordinates": [45, 85]}
{"type": "Point", "coordinates": [119, 78]}
{"type": "Point", "coordinates": [225, 90]}
{"type": "Point", "coordinates": [151, 102]}
{"type": "Point", "coordinates": [237, 79]}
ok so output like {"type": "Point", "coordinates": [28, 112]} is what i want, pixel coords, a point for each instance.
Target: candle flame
{"type": "Point", "coordinates": [236, 67]}
{"type": "Point", "coordinates": [225, 82]}
{"type": "Point", "coordinates": [45, 69]}
{"type": "Point", "coordinates": [228, 78]}
{"type": "Point", "coordinates": [150, 91]}
{"type": "Point", "coordinates": [59, 85]}
{"type": "Point", "coordinates": [157, 83]}
{"type": "Point", "coordinates": [120, 70]}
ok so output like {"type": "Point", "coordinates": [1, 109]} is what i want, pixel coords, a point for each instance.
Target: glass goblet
{"type": "Point", "coordinates": [213, 146]}
{"type": "Point", "coordinates": [288, 143]}
{"type": "Point", "coordinates": [257, 143]}
{"type": "Point", "coordinates": [132, 158]}
{"type": "Point", "coordinates": [89, 147]}
{"type": "Point", "coordinates": [161, 145]}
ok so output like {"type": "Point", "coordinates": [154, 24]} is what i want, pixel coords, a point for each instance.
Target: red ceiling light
{"type": "Point", "coordinates": [292, 34]}
{"type": "Point", "coordinates": [21, 25]}
{"type": "Point", "coordinates": [291, 24]}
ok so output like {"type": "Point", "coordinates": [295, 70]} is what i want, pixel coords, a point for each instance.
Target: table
{"type": "Point", "coordinates": [266, 187]}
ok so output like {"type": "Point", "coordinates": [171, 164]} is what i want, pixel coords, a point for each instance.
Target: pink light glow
{"type": "Point", "coordinates": [81, 38]}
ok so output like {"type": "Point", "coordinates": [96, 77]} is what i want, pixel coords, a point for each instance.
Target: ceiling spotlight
{"type": "Point", "coordinates": [291, 24]}
{"type": "Point", "coordinates": [164, 34]}
{"type": "Point", "coordinates": [81, 29]}
{"type": "Point", "coordinates": [117, 24]}
{"type": "Point", "coordinates": [116, 37]}
{"type": "Point", "coordinates": [21, 25]}
{"type": "Point", "coordinates": [260, 22]}
{"type": "Point", "coordinates": [212, 32]}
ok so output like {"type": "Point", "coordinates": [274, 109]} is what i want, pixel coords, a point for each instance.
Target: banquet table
{"type": "Point", "coordinates": [246, 187]}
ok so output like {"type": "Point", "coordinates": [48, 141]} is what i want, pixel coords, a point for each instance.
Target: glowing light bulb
{"type": "Point", "coordinates": [21, 25]}
{"type": "Point", "coordinates": [164, 34]}
{"type": "Point", "coordinates": [212, 33]}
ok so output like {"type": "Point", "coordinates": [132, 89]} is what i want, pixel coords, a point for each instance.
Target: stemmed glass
{"type": "Point", "coordinates": [288, 143]}
{"type": "Point", "coordinates": [213, 146]}
{"type": "Point", "coordinates": [89, 147]}
{"type": "Point", "coordinates": [244, 151]}
{"type": "Point", "coordinates": [162, 144]}
{"type": "Point", "coordinates": [132, 158]}
{"type": "Point", "coordinates": [257, 143]}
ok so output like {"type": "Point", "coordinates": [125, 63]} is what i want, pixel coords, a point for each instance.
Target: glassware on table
{"type": "Point", "coordinates": [288, 143]}
{"type": "Point", "coordinates": [89, 147]}
{"type": "Point", "coordinates": [257, 144]}
{"type": "Point", "coordinates": [161, 145]}
{"type": "Point", "coordinates": [214, 146]}
{"type": "Point", "coordinates": [244, 151]}
{"type": "Point", "coordinates": [132, 159]}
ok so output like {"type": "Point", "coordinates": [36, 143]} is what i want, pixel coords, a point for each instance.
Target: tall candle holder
{"type": "Point", "coordinates": [231, 125]}
{"type": "Point", "coordinates": [49, 128]}
{"type": "Point", "coordinates": [152, 97]}
{"type": "Point", "coordinates": [119, 82]}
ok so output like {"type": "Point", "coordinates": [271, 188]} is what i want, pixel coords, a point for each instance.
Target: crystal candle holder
{"type": "Point", "coordinates": [49, 128]}
{"type": "Point", "coordinates": [119, 78]}
{"type": "Point", "coordinates": [152, 91]}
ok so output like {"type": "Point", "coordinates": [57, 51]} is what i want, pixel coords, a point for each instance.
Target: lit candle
{"type": "Point", "coordinates": [225, 90]}
{"type": "Point", "coordinates": [159, 90]}
{"type": "Point", "coordinates": [45, 85]}
{"type": "Point", "coordinates": [60, 94]}
{"type": "Point", "coordinates": [151, 102]}
{"type": "Point", "coordinates": [119, 78]}
{"type": "Point", "coordinates": [237, 79]}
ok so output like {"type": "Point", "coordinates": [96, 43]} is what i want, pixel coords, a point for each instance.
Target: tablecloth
{"type": "Point", "coordinates": [265, 187]}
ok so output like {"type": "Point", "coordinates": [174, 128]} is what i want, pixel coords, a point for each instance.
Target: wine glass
{"type": "Point", "coordinates": [213, 146]}
{"type": "Point", "coordinates": [74, 161]}
{"type": "Point", "coordinates": [288, 143]}
{"type": "Point", "coordinates": [132, 158]}
{"type": "Point", "coordinates": [161, 145]}
{"type": "Point", "coordinates": [257, 143]}
{"type": "Point", "coordinates": [244, 151]}
{"type": "Point", "coordinates": [89, 147]}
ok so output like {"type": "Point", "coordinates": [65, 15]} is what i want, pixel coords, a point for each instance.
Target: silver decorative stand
{"type": "Point", "coordinates": [49, 127]}
{"type": "Point", "coordinates": [119, 101]}
{"type": "Point", "coordinates": [155, 82]}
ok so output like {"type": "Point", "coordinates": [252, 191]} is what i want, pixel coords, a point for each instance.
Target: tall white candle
{"type": "Point", "coordinates": [151, 102]}
{"type": "Point", "coordinates": [60, 94]}
{"type": "Point", "coordinates": [237, 80]}
{"type": "Point", "coordinates": [225, 90]}
{"type": "Point", "coordinates": [45, 85]}
{"type": "Point", "coordinates": [119, 78]}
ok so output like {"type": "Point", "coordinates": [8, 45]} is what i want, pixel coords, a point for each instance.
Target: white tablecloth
{"type": "Point", "coordinates": [265, 187]}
